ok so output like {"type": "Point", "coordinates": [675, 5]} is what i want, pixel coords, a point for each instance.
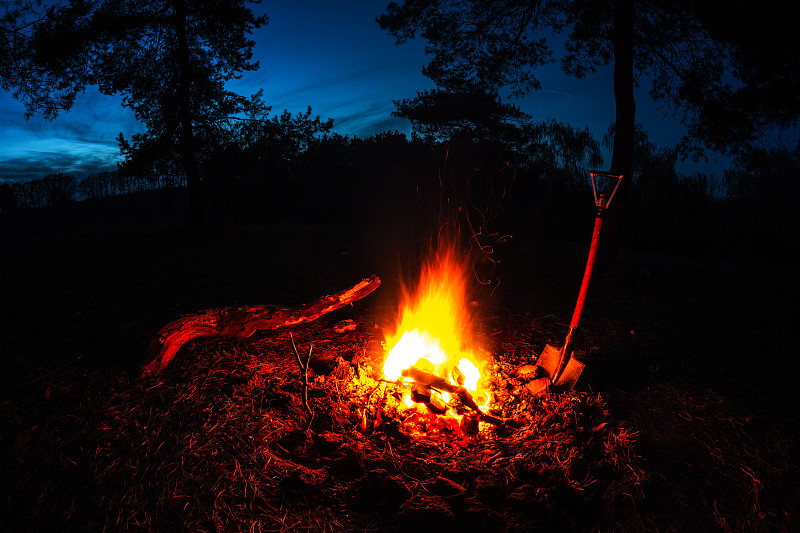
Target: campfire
{"type": "Point", "coordinates": [434, 376]}
{"type": "Point", "coordinates": [431, 352]}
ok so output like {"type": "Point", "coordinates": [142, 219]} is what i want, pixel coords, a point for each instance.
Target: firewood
{"type": "Point", "coordinates": [243, 322]}
{"type": "Point", "coordinates": [432, 381]}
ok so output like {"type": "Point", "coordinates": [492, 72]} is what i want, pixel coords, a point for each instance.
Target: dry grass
{"type": "Point", "coordinates": [218, 441]}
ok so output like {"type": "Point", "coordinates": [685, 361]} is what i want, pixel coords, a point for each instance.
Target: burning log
{"type": "Point", "coordinates": [422, 394]}
{"type": "Point", "coordinates": [243, 322]}
{"type": "Point", "coordinates": [432, 381]}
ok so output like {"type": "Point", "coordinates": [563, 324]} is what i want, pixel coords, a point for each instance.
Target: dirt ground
{"type": "Point", "coordinates": [682, 421]}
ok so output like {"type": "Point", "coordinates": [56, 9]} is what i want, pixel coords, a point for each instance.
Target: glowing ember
{"type": "Point", "coordinates": [434, 330]}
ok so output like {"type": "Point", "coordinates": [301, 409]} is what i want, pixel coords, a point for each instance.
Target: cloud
{"type": "Point", "coordinates": [36, 165]}
{"type": "Point", "coordinates": [94, 119]}
{"type": "Point", "coordinates": [358, 96]}
{"type": "Point", "coordinates": [79, 142]}
{"type": "Point", "coordinates": [354, 118]}
{"type": "Point", "coordinates": [384, 124]}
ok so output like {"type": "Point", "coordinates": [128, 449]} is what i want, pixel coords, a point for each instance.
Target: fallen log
{"type": "Point", "coordinates": [243, 322]}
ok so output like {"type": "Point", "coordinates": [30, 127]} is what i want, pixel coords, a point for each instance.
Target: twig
{"type": "Point", "coordinates": [304, 378]}
{"type": "Point", "coordinates": [378, 386]}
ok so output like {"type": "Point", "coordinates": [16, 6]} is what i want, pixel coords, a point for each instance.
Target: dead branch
{"type": "Point", "coordinates": [242, 322]}
{"type": "Point", "coordinates": [304, 378]}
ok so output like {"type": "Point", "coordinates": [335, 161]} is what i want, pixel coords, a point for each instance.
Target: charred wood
{"type": "Point", "coordinates": [432, 381]}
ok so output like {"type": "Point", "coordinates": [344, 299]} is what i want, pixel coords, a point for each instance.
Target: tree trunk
{"type": "Point", "coordinates": [622, 156]}
{"type": "Point", "coordinates": [186, 134]}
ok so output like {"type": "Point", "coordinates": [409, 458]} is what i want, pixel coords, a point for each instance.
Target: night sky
{"type": "Point", "coordinates": [330, 56]}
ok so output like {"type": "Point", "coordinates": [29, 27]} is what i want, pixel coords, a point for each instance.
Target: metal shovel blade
{"type": "Point", "coordinates": [572, 371]}
{"type": "Point", "coordinates": [549, 362]}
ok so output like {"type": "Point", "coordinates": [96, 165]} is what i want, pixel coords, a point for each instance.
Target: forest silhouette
{"type": "Point", "coordinates": [238, 163]}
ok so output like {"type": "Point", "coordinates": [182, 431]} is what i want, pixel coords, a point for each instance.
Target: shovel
{"type": "Point", "coordinates": [558, 364]}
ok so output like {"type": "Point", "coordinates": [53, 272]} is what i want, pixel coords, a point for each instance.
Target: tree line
{"type": "Point", "coordinates": [730, 77]}
{"type": "Point", "coordinates": [58, 189]}
{"type": "Point", "coordinates": [537, 187]}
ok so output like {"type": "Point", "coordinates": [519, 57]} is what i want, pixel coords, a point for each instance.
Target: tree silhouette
{"type": "Point", "coordinates": [169, 59]}
{"type": "Point", "coordinates": [760, 89]}
{"type": "Point", "coordinates": [8, 200]}
{"type": "Point", "coordinates": [99, 185]}
{"type": "Point", "coordinates": [40, 90]}
{"type": "Point", "coordinates": [51, 191]}
{"type": "Point", "coordinates": [561, 151]}
{"type": "Point", "coordinates": [685, 48]}
{"type": "Point", "coordinates": [466, 112]}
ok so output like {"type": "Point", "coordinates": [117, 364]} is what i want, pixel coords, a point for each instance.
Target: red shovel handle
{"type": "Point", "coordinates": [601, 201]}
{"type": "Point", "coordinates": [566, 350]}
{"type": "Point", "coordinates": [587, 274]}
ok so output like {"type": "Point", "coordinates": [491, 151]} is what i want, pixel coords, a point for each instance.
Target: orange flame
{"type": "Point", "coordinates": [433, 331]}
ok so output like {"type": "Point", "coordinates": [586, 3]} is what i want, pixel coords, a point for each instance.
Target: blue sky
{"type": "Point", "coordinates": [331, 56]}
